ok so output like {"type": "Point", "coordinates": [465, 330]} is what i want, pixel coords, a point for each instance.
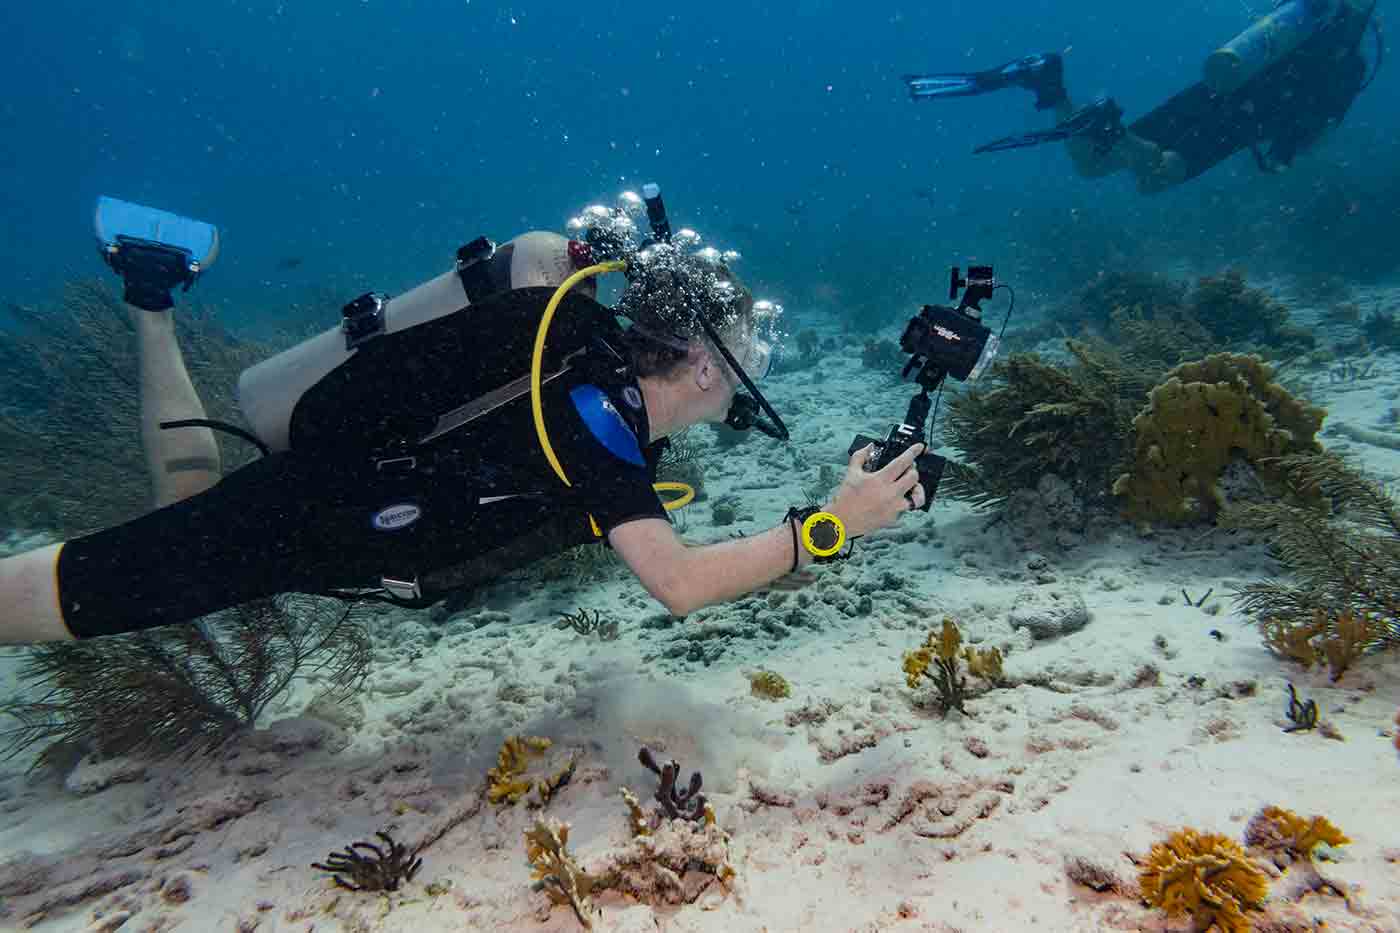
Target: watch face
{"type": "Point", "coordinates": [824, 534]}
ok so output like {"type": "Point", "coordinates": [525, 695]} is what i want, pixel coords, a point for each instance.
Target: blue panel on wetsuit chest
{"type": "Point", "coordinates": [597, 411]}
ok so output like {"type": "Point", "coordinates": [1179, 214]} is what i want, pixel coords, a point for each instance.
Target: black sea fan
{"type": "Point", "coordinates": [185, 687]}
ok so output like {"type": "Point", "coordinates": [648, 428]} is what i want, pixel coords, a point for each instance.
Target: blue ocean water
{"type": "Point", "coordinates": [369, 139]}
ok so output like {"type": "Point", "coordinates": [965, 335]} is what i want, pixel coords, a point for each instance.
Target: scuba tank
{"type": "Point", "coordinates": [288, 399]}
{"type": "Point", "coordinates": [1238, 61]}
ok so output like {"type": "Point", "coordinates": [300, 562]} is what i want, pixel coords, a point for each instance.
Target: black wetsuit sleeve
{"type": "Point", "coordinates": [614, 492]}
{"type": "Point", "coordinates": [611, 476]}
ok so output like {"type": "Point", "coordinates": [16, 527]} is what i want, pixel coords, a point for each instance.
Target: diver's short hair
{"type": "Point", "coordinates": [668, 293]}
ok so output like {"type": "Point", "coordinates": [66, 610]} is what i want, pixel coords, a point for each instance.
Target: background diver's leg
{"type": "Point", "coordinates": [1156, 169]}
{"type": "Point", "coordinates": [182, 461]}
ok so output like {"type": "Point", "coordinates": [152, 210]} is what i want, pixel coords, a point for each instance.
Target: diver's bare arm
{"type": "Point", "coordinates": [29, 608]}
{"type": "Point", "coordinates": [1154, 168]}
{"type": "Point", "coordinates": [685, 578]}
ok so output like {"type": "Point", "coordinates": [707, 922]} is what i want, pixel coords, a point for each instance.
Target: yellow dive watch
{"type": "Point", "coordinates": [820, 532]}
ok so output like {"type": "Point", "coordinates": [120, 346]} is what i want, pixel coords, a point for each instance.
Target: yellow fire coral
{"type": "Point", "coordinates": [1204, 876]}
{"type": "Point", "coordinates": [1196, 422]}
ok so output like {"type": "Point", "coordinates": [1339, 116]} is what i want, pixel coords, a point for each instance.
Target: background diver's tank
{"type": "Point", "coordinates": [268, 393]}
{"type": "Point", "coordinates": [1229, 67]}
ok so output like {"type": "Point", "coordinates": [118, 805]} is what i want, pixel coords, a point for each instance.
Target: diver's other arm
{"type": "Point", "coordinates": [685, 578]}
{"type": "Point", "coordinates": [29, 607]}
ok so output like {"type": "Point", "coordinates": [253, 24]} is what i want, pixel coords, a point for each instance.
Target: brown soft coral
{"type": "Point", "coordinates": [939, 651]}
{"type": "Point", "coordinates": [556, 872]}
{"type": "Point", "coordinates": [1288, 837]}
{"type": "Point", "coordinates": [1204, 876]}
{"type": "Point", "coordinates": [507, 781]}
{"type": "Point", "coordinates": [1196, 422]}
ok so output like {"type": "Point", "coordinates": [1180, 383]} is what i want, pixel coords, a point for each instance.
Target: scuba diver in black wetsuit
{"type": "Point", "coordinates": [1275, 90]}
{"type": "Point", "coordinates": [435, 440]}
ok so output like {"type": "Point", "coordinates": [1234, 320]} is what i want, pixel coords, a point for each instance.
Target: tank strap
{"type": "Point", "coordinates": [484, 269]}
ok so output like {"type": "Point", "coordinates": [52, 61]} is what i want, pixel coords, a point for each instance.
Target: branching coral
{"type": "Point", "coordinates": [670, 861]}
{"type": "Point", "coordinates": [555, 871]}
{"type": "Point", "coordinates": [1346, 563]}
{"type": "Point", "coordinates": [1236, 313]}
{"type": "Point", "coordinates": [391, 866]}
{"type": "Point", "coordinates": [1197, 422]}
{"type": "Point", "coordinates": [673, 864]}
{"type": "Point", "coordinates": [941, 653]}
{"type": "Point", "coordinates": [1204, 876]}
{"type": "Point", "coordinates": [1288, 837]}
{"type": "Point", "coordinates": [507, 782]}
{"type": "Point", "coordinates": [1039, 418]}
{"type": "Point", "coordinates": [677, 803]}
{"type": "Point", "coordinates": [187, 687]}
{"type": "Point", "coordinates": [984, 663]}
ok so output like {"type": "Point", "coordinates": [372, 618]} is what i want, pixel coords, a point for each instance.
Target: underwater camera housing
{"type": "Point", "coordinates": [941, 341]}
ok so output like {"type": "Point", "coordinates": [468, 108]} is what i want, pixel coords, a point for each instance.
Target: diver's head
{"type": "Point", "coordinates": [677, 302]}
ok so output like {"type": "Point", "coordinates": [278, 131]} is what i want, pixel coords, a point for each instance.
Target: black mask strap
{"type": "Point", "coordinates": [742, 414]}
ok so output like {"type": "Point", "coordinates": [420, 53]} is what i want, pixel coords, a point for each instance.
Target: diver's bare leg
{"type": "Point", "coordinates": [1088, 162]}
{"type": "Point", "coordinates": [29, 610]}
{"type": "Point", "coordinates": [182, 461]}
{"type": "Point", "coordinates": [1155, 168]}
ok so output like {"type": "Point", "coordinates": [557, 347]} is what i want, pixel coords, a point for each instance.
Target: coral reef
{"type": "Point", "coordinates": [1158, 322]}
{"type": "Point", "coordinates": [1287, 837]}
{"type": "Point", "coordinates": [1204, 876]}
{"type": "Point", "coordinates": [984, 663]}
{"type": "Point", "coordinates": [1037, 418]}
{"type": "Point", "coordinates": [388, 869]}
{"type": "Point", "coordinates": [676, 803]}
{"type": "Point", "coordinates": [769, 685]}
{"type": "Point", "coordinates": [673, 861]}
{"type": "Point", "coordinates": [881, 354]}
{"type": "Point", "coordinates": [187, 687]}
{"type": "Point", "coordinates": [508, 783]}
{"type": "Point", "coordinates": [1197, 422]}
{"type": "Point", "coordinates": [1341, 638]}
{"type": "Point", "coordinates": [941, 653]}
{"type": "Point", "coordinates": [1342, 562]}
{"type": "Point", "coordinates": [556, 872]}
{"type": "Point", "coordinates": [673, 864]}
{"type": "Point", "coordinates": [1237, 314]}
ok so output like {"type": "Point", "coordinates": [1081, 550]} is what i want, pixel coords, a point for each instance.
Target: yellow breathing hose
{"type": "Point", "coordinates": [537, 381]}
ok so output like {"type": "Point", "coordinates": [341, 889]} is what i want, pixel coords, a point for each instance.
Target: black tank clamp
{"type": "Point", "coordinates": [363, 318]}
{"type": "Point", "coordinates": [474, 268]}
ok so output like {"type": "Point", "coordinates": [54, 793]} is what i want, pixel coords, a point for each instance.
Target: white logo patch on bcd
{"type": "Point", "coordinates": [394, 517]}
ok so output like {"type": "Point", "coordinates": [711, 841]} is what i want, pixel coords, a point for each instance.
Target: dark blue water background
{"type": "Point", "coordinates": [369, 139]}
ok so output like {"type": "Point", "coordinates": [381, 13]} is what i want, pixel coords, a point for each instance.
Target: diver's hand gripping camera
{"type": "Point", "coordinates": [942, 341]}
